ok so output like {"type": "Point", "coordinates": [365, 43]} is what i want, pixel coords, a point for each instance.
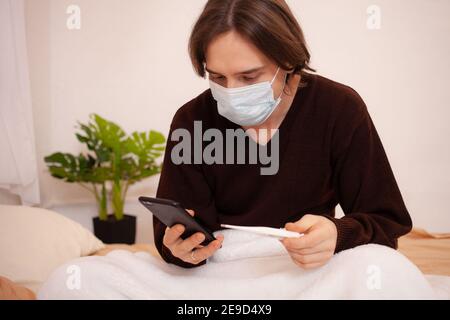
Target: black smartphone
{"type": "Point", "coordinates": [171, 213]}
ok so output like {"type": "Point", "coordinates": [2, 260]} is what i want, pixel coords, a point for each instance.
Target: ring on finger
{"type": "Point", "coordinates": [193, 256]}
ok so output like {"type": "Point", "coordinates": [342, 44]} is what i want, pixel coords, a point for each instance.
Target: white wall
{"type": "Point", "coordinates": [401, 71]}
{"type": "Point", "coordinates": [129, 63]}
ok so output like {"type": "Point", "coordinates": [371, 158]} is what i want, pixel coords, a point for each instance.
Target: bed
{"type": "Point", "coordinates": [428, 251]}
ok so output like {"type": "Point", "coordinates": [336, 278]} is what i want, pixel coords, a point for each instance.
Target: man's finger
{"type": "Point", "coordinates": [191, 212]}
{"type": "Point", "coordinates": [312, 258]}
{"type": "Point", "coordinates": [302, 225]}
{"type": "Point", "coordinates": [207, 251]}
{"type": "Point", "coordinates": [173, 234]}
{"type": "Point", "coordinates": [323, 246]}
{"type": "Point", "coordinates": [190, 243]}
{"type": "Point", "coordinates": [309, 240]}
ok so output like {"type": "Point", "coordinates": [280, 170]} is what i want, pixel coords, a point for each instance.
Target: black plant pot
{"type": "Point", "coordinates": [116, 231]}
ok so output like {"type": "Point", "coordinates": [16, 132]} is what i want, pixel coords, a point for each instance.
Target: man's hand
{"type": "Point", "coordinates": [317, 245]}
{"type": "Point", "coordinates": [190, 250]}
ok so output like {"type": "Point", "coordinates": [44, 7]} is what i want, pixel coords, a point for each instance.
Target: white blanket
{"type": "Point", "coordinates": [248, 266]}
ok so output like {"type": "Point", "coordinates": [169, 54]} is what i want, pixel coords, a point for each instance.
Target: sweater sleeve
{"type": "Point", "coordinates": [364, 182]}
{"type": "Point", "coordinates": [186, 184]}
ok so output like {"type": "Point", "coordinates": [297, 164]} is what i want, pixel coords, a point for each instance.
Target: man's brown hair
{"type": "Point", "coordinates": [267, 24]}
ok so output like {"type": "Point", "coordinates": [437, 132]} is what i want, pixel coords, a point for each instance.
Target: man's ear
{"type": "Point", "coordinates": [290, 70]}
{"type": "Point", "coordinates": [289, 76]}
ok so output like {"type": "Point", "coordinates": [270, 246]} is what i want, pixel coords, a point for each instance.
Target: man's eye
{"type": "Point", "coordinates": [248, 79]}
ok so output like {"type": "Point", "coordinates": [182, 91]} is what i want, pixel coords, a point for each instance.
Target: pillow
{"type": "Point", "coordinates": [35, 241]}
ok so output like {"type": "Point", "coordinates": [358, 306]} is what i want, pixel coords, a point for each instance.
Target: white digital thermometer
{"type": "Point", "coordinates": [267, 231]}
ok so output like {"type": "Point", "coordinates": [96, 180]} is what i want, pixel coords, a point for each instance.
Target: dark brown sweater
{"type": "Point", "coordinates": [330, 153]}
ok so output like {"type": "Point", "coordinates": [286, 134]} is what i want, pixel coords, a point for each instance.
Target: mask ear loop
{"type": "Point", "coordinates": [279, 98]}
{"type": "Point", "coordinates": [284, 85]}
{"type": "Point", "coordinates": [276, 73]}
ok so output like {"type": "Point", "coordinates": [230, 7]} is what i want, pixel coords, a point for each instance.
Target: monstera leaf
{"type": "Point", "coordinates": [93, 143]}
{"type": "Point", "coordinates": [70, 168]}
{"type": "Point", "coordinates": [145, 147]}
{"type": "Point", "coordinates": [113, 157]}
{"type": "Point", "coordinates": [109, 133]}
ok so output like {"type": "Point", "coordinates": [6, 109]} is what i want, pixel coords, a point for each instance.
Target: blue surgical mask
{"type": "Point", "coordinates": [246, 106]}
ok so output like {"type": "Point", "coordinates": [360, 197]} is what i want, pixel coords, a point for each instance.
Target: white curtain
{"type": "Point", "coordinates": [18, 166]}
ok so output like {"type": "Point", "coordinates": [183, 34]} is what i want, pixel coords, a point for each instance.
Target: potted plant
{"type": "Point", "coordinates": [114, 161]}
